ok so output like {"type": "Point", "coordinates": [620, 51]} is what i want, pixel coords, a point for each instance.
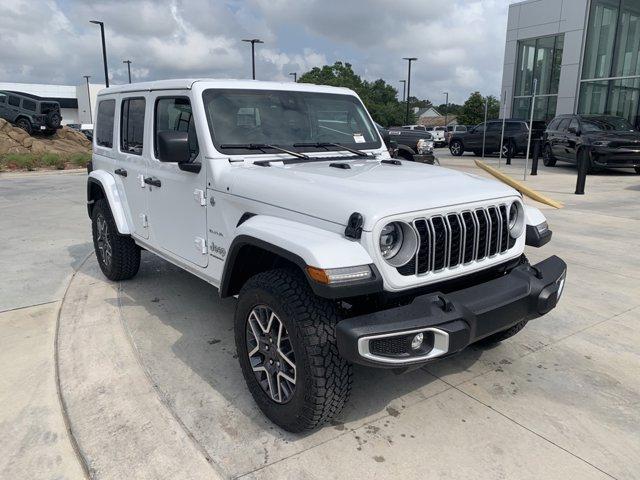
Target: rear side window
{"type": "Point", "coordinates": [29, 105]}
{"type": "Point", "coordinates": [104, 127]}
{"type": "Point", "coordinates": [14, 101]}
{"type": "Point", "coordinates": [174, 114]}
{"type": "Point", "coordinates": [132, 125]}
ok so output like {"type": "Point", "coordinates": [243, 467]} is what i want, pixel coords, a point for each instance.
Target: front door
{"type": "Point", "coordinates": [473, 141]}
{"type": "Point", "coordinates": [558, 146]}
{"type": "Point", "coordinates": [571, 139]}
{"type": "Point", "coordinates": [177, 206]}
{"type": "Point", "coordinates": [130, 165]}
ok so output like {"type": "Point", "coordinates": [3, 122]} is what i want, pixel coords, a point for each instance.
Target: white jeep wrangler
{"type": "Point", "coordinates": [284, 196]}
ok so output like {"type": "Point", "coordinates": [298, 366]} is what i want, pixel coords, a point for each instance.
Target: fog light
{"type": "Point", "coordinates": [416, 342]}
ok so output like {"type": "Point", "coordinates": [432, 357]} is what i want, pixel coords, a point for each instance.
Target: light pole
{"type": "Point", "coordinates": [104, 52]}
{"type": "Point", "coordinates": [128, 62]}
{"type": "Point", "coordinates": [446, 110]}
{"type": "Point", "coordinates": [295, 76]}
{"type": "Point", "coordinates": [404, 88]}
{"type": "Point", "coordinates": [409, 59]}
{"type": "Point", "coordinates": [87, 77]}
{"type": "Point", "coordinates": [253, 42]}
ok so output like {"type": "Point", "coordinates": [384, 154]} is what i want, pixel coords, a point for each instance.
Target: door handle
{"type": "Point", "coordinates": [120, 171]}
{"type": "Point", "coordinates": [153, 181]}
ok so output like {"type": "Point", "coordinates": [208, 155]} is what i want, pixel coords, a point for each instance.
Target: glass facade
{"type": "Point", "coordinates": [611, 69]}
{"type": "Point", "coordinates": [539, 60]}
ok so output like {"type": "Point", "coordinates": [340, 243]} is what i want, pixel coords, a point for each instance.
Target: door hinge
{"type": "Point", "coordinates": [141, 180]}
{"type": "Point", "coordinates": [201, 245]}
{"type": "Point", "coordinates": [199, 197]}
{"type": "Point", "coordinates": [144, 220]}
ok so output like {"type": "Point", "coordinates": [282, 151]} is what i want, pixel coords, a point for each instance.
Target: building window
{"type": "Point", "coordinates": [611, 71]}
{"type": "Point", "coordinates": [539, 62]}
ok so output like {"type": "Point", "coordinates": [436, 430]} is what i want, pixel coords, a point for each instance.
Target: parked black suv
{"type": "Point", "coordinates": [29, 113]}
{"type": "Point", "coordinates": [413, 145]}
{"type": "Point", "coordinates": [516, 136]}
{"type": "Point", "coordinates": [607, 140]}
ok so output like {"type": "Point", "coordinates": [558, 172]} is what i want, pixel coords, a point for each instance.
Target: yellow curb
{"type": "Point", "coordinates": [529, 192]}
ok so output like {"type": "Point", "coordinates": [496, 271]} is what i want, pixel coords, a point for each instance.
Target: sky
{"type": "Point", "coordinates": [459, 43]}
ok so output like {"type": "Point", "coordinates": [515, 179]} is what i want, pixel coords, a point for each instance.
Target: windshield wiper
{"type": "Point", "coordinates": [360, 153]}
{"type": "Point", "coordinates": [263, 146]}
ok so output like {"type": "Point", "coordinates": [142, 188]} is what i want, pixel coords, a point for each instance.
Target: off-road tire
{"type": "Point", "coordinates": [548, 159]}
{"type": "Point", "coordinates": [503, 335]}
{"type": "Point", "coordinates": [125, 254]}
{"type": "Point", "coordinates": [25, 125]}
{"type": "Point", "coordinates": [637, 169]}
{"type": "Point", "coordinates": [323, 377]}
{"type": "Point", "coordinates": [53, 119]}
{"type": "Point", "coordinates": [456, 148]}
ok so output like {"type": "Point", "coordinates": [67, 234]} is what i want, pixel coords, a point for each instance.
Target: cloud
{"type": "Point", "coordinates": [459, 43]}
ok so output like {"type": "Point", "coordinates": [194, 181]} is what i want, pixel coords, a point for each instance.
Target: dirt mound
{"type": "Point", "coordinates": [65, 141]}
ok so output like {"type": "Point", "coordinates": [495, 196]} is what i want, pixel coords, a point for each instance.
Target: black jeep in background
{"type": "Point", "coordinates": [607, 141]}
{"type": "Point", "coordinates": [29, 113]}
{"type": "Point", "coordinates": [516, 136]}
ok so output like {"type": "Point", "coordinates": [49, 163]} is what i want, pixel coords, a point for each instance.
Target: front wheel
{"type": "Point", "coordinates": [286, 344]}
{"type": "Point", "coordinates": [456, 148]}
{"type": "Point", "coordinates": [25, 125]}
{"type": "Point", "coordinates": [547, 156]}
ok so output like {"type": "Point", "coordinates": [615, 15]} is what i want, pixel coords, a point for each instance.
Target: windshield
{"type": "Point", "coordinates": [286, 119]}
{"type": "Point", "coordinates": [610, 124]}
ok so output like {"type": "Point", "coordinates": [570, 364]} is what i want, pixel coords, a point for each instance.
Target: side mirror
{"type": "Point", "coordinates": [173, 147]}
{"type": "Point", "coordinates": [386, 138]}
{"type": "Point", "coordinates": [574, 130]}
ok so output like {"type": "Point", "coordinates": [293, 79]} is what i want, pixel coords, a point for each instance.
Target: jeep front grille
{"type": "Point", "coordinates": [447, 241]}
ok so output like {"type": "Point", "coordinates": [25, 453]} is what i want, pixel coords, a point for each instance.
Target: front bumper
{"type": "Point", "coordinates": [424, 158]}
{"type": "Point", "coordinates": [450, 322]}
{"type": "Point", "coordinates": [616, 157]}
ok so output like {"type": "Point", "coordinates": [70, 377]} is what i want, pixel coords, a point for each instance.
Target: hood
{"type": "Point", "coordinates": [374, 189]}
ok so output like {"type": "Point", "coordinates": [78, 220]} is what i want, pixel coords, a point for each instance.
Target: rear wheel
{"type": "Point", "coordinates": [508, 149]}
{"type": "Point", "coordinates": [547, 156]}
{"type": "Point", "coordinates": [25, 125]}
{"type": "Point", "coordinates": [286, 344]}
{"type": "Point", "coordinates": [456, 148]}
{"type": "Point", "coordinates": [118, 255]}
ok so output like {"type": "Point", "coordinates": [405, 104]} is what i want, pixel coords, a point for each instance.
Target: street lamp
{"type": "Point", "coordinates": [104, 52]}
{"type": "Point", "coordinates": [128, 62]}
{"type": "Point", "coordinates": [87, 77]}
{"type": "Point", "coordinates": [253, 42]}
{"type": "Point", "coordinates": [409, 59]}
{"type": "Point", "coordinates": [404, 88]}
{"type": "Point", "coordinates": [295, 76]}
{"type": "Point", "coordinates": [446, 109]}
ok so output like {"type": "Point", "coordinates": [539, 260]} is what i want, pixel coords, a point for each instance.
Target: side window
{"type": "Point", "coordinates": [104, 128]}
{"type": "Point", "coordinates": [512, 127]}
{"type": "Point", "coordinates": [3, 98]}
{"type": "Point", "coordinates": [479, 128]}
{"type": "Point", "coordinates": [29, 105]}
{"type": "Point", "coordinates": [564, 124]}
{"type": "Point", "coordinates": [174, 114]}
{"type": "Point", "coordinates": [132, 125]}
{"type": "Point", "coordinates": [574, 124]}
{"type": "Point", "coordinates": [14, 101]}
{"type": "Point", "coordinates": [494, 127]}
{"type": "Point", "coordinates": [554, 124]}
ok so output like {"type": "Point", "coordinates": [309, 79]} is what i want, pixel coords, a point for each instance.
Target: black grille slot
{"type": "Point", "coordinates": [495, 231]}
{"type": "Point", "coordinates": [439, 243]}
{"type": "Point", "coordinates": [424, 252]}
{"type": "Point", "coordinates": [409, 268]}
{"type": "Point", "coordinates": [483, 230]}
{"type": "Point", "coordinates": [470, 236]}
{"type": "Point", "coordinates": [504, 238]}
{"type": "Point", "coordinates": [455, 226]}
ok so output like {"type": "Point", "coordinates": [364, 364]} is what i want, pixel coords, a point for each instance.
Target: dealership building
{"type": "Point", "coordinates": [76, 101]}
{"type": "Point", "coordinates": [584, 56]}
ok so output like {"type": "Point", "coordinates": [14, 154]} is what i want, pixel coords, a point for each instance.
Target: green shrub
{"type": "Point", "coordinates": [52, 160]}
{"type": "Point", "coordinates": [80, 159]}
{"type": "Point", "coordinates": [20, 161]}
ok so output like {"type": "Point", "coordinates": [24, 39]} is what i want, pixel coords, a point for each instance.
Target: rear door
{"type": "Point", "coordinates": [177, 207]}
{"type": "Point", "coordinates": [558, 147]}
{"type": "Point", "coordinates": [571, 139]}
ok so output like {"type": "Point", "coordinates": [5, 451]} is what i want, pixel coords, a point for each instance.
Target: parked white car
{"type": "Point", "coordinates": [284, 196]}
{"type": "Point", "coordinates": [438, 134]}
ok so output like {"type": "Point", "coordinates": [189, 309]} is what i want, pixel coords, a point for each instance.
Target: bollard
{"type": "Point", "coordinates": [508, 153]}
{"type": "Point", "coordinates": [536, 155]}
{"type": "Point", "coordinates": [583, 165]}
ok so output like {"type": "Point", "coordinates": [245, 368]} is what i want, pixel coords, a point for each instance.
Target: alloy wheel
{"type": "Point", "coordinates": [271, 354]}
{"type": "Point", "coordinates": [103, 241]}
{"type": "Point", "coordinates": [455, 148]}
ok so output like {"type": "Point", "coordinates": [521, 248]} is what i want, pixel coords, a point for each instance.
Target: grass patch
{"type": "Point", "coordinates": [19, 161]}
{"type": "Point", "coordinates": [80, 159]}
{"type": "Point", "coordinates": [52, 160]}
{"type": "Point", "coordinates": [30, 161]}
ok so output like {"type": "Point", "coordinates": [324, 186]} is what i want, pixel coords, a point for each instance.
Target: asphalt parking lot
{"type": "Point", "coordinates": [143, 382]}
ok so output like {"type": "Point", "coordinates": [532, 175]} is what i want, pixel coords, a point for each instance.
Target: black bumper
{"type": "Point", "coordinates": [450, 322]}
{"type": "Point", "coordinates": [424, 158]}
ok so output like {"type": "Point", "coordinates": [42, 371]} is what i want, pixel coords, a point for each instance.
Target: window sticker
{"type": "Point", "coordinates": [358, 138]}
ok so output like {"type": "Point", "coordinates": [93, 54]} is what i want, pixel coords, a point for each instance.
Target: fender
{"type": "Point", "coordinates": [405, 148]}
{"type": "Point", "coordinates": [304, 245]}
{"type": "Point", "coordinates": [108, 185]}
{"type": "Point", "coordinates": [537, 230]}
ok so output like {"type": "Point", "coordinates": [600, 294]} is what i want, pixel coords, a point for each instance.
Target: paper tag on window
{"type": "Point", "coordinates": [358, 138]}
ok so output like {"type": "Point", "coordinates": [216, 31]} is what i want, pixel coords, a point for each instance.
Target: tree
{"type": "Point", "coordinates": [472, 112]}
{"type": "Point", "coordinates": [380, 98]}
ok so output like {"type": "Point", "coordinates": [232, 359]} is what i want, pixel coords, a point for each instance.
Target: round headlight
{"type": "Point", "coordinates": [516, 219]}
{"type": "Point", "coordinates": [398, 243]}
